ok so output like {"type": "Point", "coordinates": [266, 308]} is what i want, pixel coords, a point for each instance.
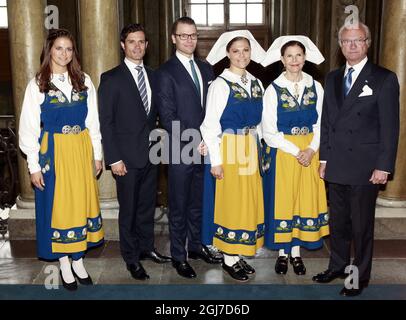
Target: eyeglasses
{"type": "Point", "coordinates": [357, 42]}
{"type": "Point", "coordinates": [185, 36]}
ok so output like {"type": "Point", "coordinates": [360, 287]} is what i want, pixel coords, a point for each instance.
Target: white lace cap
{"type": "Point", "coordinates": [273, 54]}
{"type": "Point", "coordinates": [219, 51]}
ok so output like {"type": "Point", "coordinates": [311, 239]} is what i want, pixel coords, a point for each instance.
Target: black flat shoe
{"type": "Point", "coordinates": [184, 269]}
{"type": "Point", "coordinates": [281, 265]}
{"type": "Point", "coordinates": [328, 276]}
{"type": "Point", "coordinates": [154, 256]}
{"type": "Point", "coordinates": [73, 286]}
{"type": "Point", "coordinates": [298, 265]}
{"type": "Point", "coordinates": [246, 267]}
{"type": "Point", "coordinates": [352, 292]}
{"type": "Point", "coordinates": [137, 271]}
{"type": "Point", "coordinates": [205, 255]}
{"type": "Point", "coordinates": [236, 272]}
{"type": "Point", "coordinates": [84, 281]}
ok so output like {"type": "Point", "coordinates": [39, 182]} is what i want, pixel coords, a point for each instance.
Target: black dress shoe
{"type": "Point", "coordinates": [69, 286]}
{"type": "Point", "coordinates": [328, 276]}
{"type": "Point", "coordinates": [281, 265]}
{"type": "Point", "coordinates": [246, 267]}
{"type": "Point", "coordinates": [84, 281]}
{"type": "Point", "coordinates": [353, 292]}
{"type": "Point", "coordinates": [184, 269]}
{"type": "Point", "coordinates": [155, 256]}
{"type": "Point", "coordinates": [298, 265]}
{"type": "Point", "coordinates": [236, 271]}
{"type": "Point", "coordinates": [205, 255]}
{"type": "Point", "coordinates": [137, 271]}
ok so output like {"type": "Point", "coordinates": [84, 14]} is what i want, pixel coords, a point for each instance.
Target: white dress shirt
{"type": "Point", "coordinates": [30, 119]}
{"type": "Point", "coordinates": [185, 61]}
{"type": "Point", "coordinates": [272, 136]}
{"type": "Point", "coordinates": [357, 70]}
{"type": "Point", "coordinates": [132, 67]}
{"type": "Point", "coordinates": [217, 99]}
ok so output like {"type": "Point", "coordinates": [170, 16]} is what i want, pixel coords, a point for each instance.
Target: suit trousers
{"type": "Point", "coordinates": [136, 193]}
{"type": "Point", "coordinates": [352, 219]}
{"type": "Point", "coordinates": [185, 208]}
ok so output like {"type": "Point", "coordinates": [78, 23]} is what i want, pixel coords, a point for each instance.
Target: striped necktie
{"type": "Point", "coordinates": [142, 88]}
{"type": "Point", "coordinates": [348, 81]}
{"type": "Point", "coordinates": [195, 78]}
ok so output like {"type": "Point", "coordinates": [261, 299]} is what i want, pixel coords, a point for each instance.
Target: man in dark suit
{"type": "Point", "coordinates": [127, 116]}
{"type": "Point", "coordinates": [359, 138]}
{"type": "Point", "coordinates": [182, 84]}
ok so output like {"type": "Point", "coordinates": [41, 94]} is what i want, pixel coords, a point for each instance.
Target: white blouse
{"type": "Point", "coordinates": [270, 132]}
{"type": "Point", "coordinates": [30, 119]}
{"type": "Point", "coordinates": [217, 98]}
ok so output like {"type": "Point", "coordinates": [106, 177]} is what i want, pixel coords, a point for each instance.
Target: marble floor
{"type": "Point", "coordinates": [20, 266]}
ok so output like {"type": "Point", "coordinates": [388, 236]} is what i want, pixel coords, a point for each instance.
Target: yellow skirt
{"type": "Point", "coordinates": [239, 209]}
{"type": "Point", "coordinates": [300, 205]}
{"type": "Point", "coordinates": [76, 219]}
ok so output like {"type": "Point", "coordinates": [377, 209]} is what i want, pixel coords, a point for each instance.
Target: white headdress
{"type": "Point", "coordinates": [273, 54]}
{"type": "Point", "coordinates": [219, 51]}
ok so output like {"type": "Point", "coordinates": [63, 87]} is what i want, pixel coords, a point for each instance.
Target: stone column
{"type": "Point", "coordinates": [393, 57]}
{"type": "Point", "coordinates": [27, 35]}
{"type": "Point", "coordinates": [100, 46]}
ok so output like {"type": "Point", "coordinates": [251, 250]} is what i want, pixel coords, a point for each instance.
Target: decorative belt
{"type": "Point", "coordinates": [66, 129]}
{"type": "Point", "coordinates": [299, 131]}
{"type": "Point", "coordinates": [242, 131]}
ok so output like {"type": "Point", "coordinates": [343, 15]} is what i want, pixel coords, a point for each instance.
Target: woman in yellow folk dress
{"type": "Point", "coordinates": [233, 215]}
{"type": "Point", "coordinates": [294, 194]}
{"type": "Point", "coordinates": [59, 133]}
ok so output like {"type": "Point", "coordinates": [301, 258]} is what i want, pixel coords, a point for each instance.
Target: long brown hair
{"type": "Point", "coordinates": [75, 72]}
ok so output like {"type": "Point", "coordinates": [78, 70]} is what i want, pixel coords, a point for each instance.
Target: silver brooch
{"type": "Point", "coordinates": [244, 79]}
{"type": "Point", "coordinates": [61, 77]}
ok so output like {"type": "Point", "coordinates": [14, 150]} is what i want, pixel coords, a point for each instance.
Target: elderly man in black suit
{"type": "Point", "coordinates": [359, 138]}
{"type": "Point", "coordinates": [182, 84]}
{"type": "Point", "coordinates": [127, 116]}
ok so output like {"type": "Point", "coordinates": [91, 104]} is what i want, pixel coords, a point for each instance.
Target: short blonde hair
{"type": "Point", "coordinates": [360, 26]}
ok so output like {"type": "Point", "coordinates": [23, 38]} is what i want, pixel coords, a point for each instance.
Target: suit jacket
{"type": "Point", "coordinates": [177, 97]}
{"type": "Point", "coordinates": [360, 134]}
{"type": "Point", "coordinates": [124, 124]}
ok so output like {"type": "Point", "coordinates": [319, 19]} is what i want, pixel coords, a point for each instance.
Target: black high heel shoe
{"type": "Point", "coordinates": [84, 281]}
{"type": "Point", "coordinates": [73, 286]}
{"type": "Point", "coordinates": [298, 265]}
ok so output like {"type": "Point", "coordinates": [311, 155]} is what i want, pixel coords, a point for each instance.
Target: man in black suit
{"type": "Point", "coordinates": [182, 84]}
{"type": "Point", "coordinates": [359, 138]}
{"type": "Point", "coordinates": [127, 116]}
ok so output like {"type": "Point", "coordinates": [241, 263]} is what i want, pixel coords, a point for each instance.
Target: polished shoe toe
{"type": "Point", "coordinates": [205, 255]}
{"type": "Point", "coordinates": [83, 281]}
{"type": "Point", "coordinates": [154, 256]}
{"type": "Point", "coordinates": [236, 272]}
{"type": "Point", "coordinates": [353, 292]}
{"type": "Point", "coordinates": [184, 269]}
{"type": "Point", "coordinates": [137, 271]}
{"type": "Point", "coordinates": [298, 265]}
{"type": "Point", "coordinates": [73, 286]}
{"type": "Point", "coordinates": [328, 276]}
{"type": "Point", "coordinates": [246, 267]}
{"type": "Point", "coordinates": [281, 265]}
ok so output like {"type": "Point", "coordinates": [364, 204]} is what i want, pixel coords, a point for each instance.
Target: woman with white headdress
{"type": "Point", "coordinates": [294, 194]}
{"type": "Point", "coordinates": [233, 214]}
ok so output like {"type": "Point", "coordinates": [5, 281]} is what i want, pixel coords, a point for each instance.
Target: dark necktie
{"type": "Point", "coordinates": [348, 81]}
{"type": "Point", "coordinates": [142, 88]}
{"type": "Point", "coordinates": [195, 78]}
